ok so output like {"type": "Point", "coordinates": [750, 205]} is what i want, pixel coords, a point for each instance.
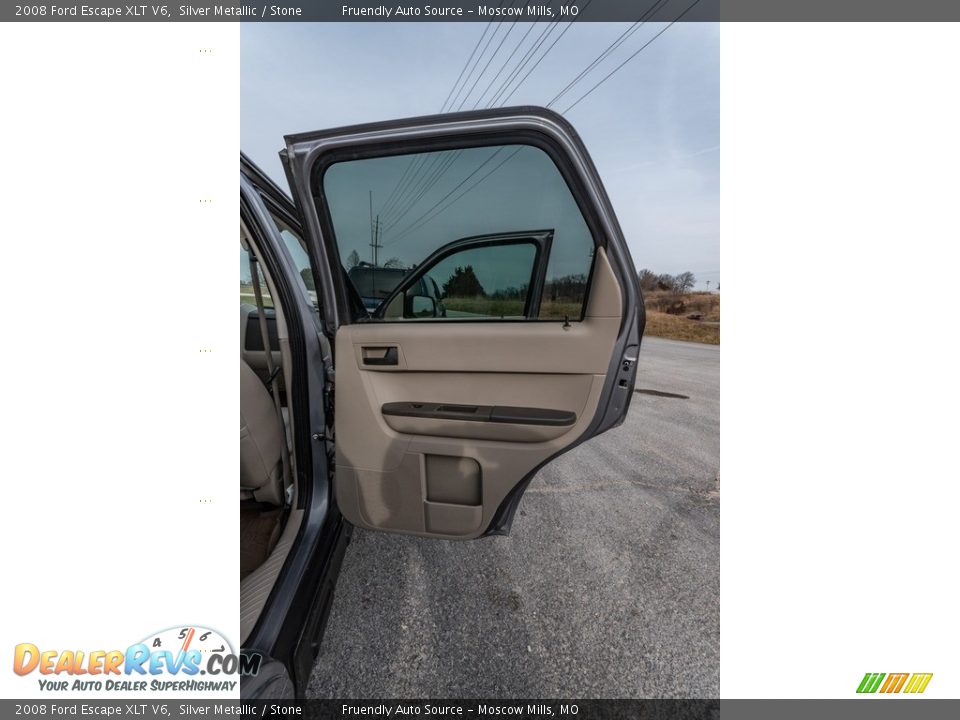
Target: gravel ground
{"type": "Point", "coordinates": [609, 585]}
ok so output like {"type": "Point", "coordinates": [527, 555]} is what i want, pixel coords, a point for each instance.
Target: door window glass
{"type": "Point", "coordinates": [247, 294]}
{"type": "Point", "coordinates": [486, 282]}
{"type": "Point", "coordinates": [295, 246]}
{"type": "Point", "coordinates": [389, 214]}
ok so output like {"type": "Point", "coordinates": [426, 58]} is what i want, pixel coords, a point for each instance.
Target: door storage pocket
{"type": "Point", "coordinates": [453, 480]}
{"type": "Point", "coordinates": [452, 519]}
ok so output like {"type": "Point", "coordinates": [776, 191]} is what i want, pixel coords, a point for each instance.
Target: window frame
{"type": "Point", "coordinates": [439, 143]}
{"type": "Point", "coordinates": [541, 240]}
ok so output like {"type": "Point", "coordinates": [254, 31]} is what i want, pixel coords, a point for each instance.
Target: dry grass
{"type": "Point", "coordinates": [487, 307]}
{"type": "Point", "coordinates": [673, 327]}
{"type": "Point", "coordinates": [558, 310]}
{"type": "Point", "coordinates": [705, 304]}
{"type": "Point", "coordinates": [667, 316]}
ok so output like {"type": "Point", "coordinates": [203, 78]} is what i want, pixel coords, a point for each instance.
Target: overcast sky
{"type": "Point", "coordinates": [653, 128]}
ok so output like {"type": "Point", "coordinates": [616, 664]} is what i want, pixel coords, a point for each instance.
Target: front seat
{"type": "Point", "coordinates": [261, 441]}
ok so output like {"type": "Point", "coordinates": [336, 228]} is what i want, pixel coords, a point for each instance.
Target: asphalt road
{"type": "Point", "coordinates": [609, 585]}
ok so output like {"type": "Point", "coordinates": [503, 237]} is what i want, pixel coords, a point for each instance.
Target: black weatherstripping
{"type": "Point", "coordinates": [481, 413]}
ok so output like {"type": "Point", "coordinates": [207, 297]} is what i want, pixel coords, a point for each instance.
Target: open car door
{"type": "Point", "coordinates": [509, 316]}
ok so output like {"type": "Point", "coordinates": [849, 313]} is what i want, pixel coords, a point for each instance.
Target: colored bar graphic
{"type": "Point", "coordinates": [918, 682]}
{"type": "Point", "coordinates": [915, 683]}
{"type": "Point", "coordinates": [894, 682]}
{"type": "Point", "coordinates": [903, 679]}
{"type": "Point", "coordinates": [870, 682]}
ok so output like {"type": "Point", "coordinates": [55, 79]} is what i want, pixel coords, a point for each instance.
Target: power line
{"type": "Point", "coordinates": [626, 34]}
{"type": "Point", "coordinates": [418, 224]}
{"type": "Point", "coordinates": [492, 56]}
{"type": "Point", "coordinates": [439, 207]}
{"type": "Point", "coordinates": [430, 180]}
{"type": "Point", "coordinates": [546, 52]}
{"type": "Point", "coordinates": [448, 162]}
{"type": "Point", "coordinates": [423, 170]}
{"type": "Point", "coordinates": [528, 56]}
{"type": "Point", "coordinates": [419, 185]}
{"type": "Point", "coordinates": [444, 166]}
{"type": "Point", "coordinates": [415, 164]}
{"type": "Point", "coordinates": [430, 171]}
{"type": "Point", "coordinates": [391, 199]}
{"type": "Point", "coordinates": [507, 62]}
{"type": "Point", "coordinates": [642, 48]}
{"type": "Point", "coordinates": [464, 68]}
{"type": "Point", "coordinates": [479, 57]}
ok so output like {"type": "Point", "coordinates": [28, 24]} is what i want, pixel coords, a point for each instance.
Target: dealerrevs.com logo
{"type": "Point", "coordinates": [179, 659]}
{"type": "Point", "coordinates": [910, 683]}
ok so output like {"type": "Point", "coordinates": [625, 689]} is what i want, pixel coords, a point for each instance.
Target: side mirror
{"type": "Point", "coordinates": [422, 306]}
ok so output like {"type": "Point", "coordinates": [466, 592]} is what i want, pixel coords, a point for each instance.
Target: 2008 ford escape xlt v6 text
{"type": "Point", "coordinates": [505, 333]}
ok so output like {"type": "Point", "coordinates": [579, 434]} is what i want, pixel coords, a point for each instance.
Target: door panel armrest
{"type": "Point", "coordinates": [482, 413]}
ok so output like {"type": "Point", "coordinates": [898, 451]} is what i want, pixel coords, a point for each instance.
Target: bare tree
{"type": "Point", "coordinates": [684, 282]}
{"type": "Point", "coordinates": [666, 282]}
{"type": "Point", "coordinates": [353, 259]}
{"type": "Point", "coordinates": [648, 280]}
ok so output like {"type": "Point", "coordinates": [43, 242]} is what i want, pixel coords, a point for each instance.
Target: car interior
{"type": "Point", "coordinates": [268, 516]}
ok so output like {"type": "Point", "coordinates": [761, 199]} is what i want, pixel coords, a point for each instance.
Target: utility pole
{"type": "Point", "coordinates": [374, 235]}
{"type": "Point", "coordinates": [376, 242]}
{"type": "Point", "coordinates": [371, 224]}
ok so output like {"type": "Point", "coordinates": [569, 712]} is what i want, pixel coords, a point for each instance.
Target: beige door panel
{"type": "Point", "coordinates": [489, 346]}
{"type": "Point", "coordinates": [446, 477]}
